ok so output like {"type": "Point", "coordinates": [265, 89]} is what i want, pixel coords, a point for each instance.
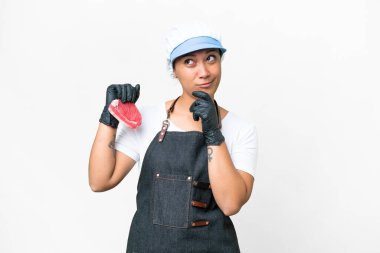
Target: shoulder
{"type": "Point", "coordinates": [152, 116]}
{"type": "Point", "coordinates": [237, 129]}
{"type": "Point", "coordinates": [241, 141]}
{"type": "Point", "coordinates": [152, 112]}
{"type": "Point", "coordinates": [233, 120]}
{"type": "Point", "coordinates": [151, 108]}
{"type": "Point", "coordinates": [236, 123]}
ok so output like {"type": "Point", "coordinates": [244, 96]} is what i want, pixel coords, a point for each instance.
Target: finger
{"type": "Point", "coordinates": [194, 109]}
{"type": "Point", "coordinates": [193, 105]}
{"type": "Point", "coordinates": [203, 104]}
{"type": "Point", "coordinates": [196, 116]}
{"type": "Point", "coordinates": [137, 89]}
{"type": "Point", "coordinates": [202, 95]}
{"type": "Point", "coordinates": [112, 89]}
{"type": "Point", "coordinates": [129, 92]}
{"type": "Point", "coordinates": [122, 93]}
{"type": "Point", "coordinates": [133, 95]}
{"type": "Point", "coordinates": [112, 86]}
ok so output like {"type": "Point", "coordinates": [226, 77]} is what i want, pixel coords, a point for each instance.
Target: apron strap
{"type": "Point", "coordinates": [171, 109]}
{"type": "Point", "coordinates": [165, 123]}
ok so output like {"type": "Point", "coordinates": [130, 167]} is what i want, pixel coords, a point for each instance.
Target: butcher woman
{"type": "Point", "coordinates": [196, 159]}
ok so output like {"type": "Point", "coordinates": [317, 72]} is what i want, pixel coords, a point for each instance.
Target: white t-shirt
{"type": "Point", "coordinates": [240, 137]}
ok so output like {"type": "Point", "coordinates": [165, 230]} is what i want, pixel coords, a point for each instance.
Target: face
{"type": "Point", "coordinates": [199, 71]}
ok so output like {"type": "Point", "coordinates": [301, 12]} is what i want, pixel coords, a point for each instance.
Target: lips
{"type": "Point", "coordinates": [204, 85]}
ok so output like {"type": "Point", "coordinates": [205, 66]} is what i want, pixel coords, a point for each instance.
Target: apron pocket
{"type": "Point", "coordinates": [171, 200]}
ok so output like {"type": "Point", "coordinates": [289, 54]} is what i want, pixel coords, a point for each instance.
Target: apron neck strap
{"type": "Point", "coordinates": [171, 109]}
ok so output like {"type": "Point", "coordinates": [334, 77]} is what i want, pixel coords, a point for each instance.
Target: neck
{"type": "Point", "coordinates": [185, 101]}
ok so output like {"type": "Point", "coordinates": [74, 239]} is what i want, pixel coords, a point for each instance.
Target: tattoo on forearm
{"type": "Point", "coordinates": [209, 153]}
{"type": "Point", "coordinates": [111, 145]}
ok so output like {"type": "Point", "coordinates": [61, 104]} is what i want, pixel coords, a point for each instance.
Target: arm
{"type": "Point", "coordinates": [231, 187]}
{"type": "Point", "coordinates": [107, 167]}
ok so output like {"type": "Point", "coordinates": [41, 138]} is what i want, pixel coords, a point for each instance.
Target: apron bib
{"type": "Point", "coordinates": [176, 211]}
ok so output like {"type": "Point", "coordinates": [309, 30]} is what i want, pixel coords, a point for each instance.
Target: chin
{"type": "Point", "coordinates": [210, 92]}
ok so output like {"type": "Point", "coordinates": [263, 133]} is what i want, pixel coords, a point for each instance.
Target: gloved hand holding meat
{"type": "Point", "coordinates": [121, 98]}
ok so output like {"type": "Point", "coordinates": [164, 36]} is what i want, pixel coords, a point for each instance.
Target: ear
{"type": "Point", "coordinates": [173, 67]}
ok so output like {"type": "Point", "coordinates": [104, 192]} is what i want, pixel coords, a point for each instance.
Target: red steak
{"type": "Point", "coordinates": [126, 113]}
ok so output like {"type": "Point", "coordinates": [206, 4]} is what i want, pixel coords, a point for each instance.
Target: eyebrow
{"type": "Point", "coordinates": [191, 53]}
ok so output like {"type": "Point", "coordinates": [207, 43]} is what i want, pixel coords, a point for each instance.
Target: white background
{"type": "Point", "coordinates": [306, 73]}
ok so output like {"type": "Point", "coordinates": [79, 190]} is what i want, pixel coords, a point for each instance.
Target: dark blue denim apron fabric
{"type": "Point", "coordinates": [176, 211]}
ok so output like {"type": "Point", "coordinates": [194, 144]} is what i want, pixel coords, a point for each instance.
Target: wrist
{"type": "Point", "coordinates": [214, 137]}
{"type": "Point", "coordinates": [107, 119]}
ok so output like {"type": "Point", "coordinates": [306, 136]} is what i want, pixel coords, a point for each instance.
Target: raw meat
{"type": "Point", "coordinates": [126, 113]}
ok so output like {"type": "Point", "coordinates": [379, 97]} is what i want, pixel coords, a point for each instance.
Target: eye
{"type": "Point", "coordinates": [188, 61]}
{"type": "Point", "coordinates": [211, 58]}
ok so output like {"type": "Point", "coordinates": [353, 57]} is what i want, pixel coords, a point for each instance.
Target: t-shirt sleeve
{"type": "Point", "coordinates": [244, 153]}
{"type": "Point", "coordinates": [126, 141]}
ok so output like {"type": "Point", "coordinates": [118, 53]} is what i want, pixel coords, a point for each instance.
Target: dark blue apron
{"type": "Point", "coordinates": [176, 210]}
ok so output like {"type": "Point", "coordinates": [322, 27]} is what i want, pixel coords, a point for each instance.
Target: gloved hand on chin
{"type": "Point", "coordinates": [124, 92]}
{"type": "Point", "coordinates": [205, 108]}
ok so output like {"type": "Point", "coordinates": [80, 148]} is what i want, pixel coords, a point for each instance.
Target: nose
{"type": "Point", "coordinates": [203, 71]}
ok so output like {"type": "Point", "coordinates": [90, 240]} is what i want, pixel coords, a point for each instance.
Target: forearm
{"type": "Point", "coordinates": [228, 187]}
{"type": "Point", "coordinates": [102, 158]}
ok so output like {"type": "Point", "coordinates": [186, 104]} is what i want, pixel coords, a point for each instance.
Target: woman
{"type": "Point", "coordinates": [196, 158]}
